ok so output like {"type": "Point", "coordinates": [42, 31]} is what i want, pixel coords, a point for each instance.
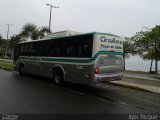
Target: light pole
{"type": "Point", "coordinates": [51, 6]}
{"type": "Point", "coordinates": [8, 27]}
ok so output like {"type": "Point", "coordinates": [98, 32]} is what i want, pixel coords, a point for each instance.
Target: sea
{"type": "Point", "coordinates": [135, 63]}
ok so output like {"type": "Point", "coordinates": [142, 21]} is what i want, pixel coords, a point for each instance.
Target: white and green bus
{"type": "Point", "coordinates": [83, 58]}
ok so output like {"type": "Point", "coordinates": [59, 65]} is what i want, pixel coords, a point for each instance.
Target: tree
{"type": "Point", "coordinates": [147, 44]}
{"type": "Point", "coordinates": [127, 49]}
{"type": "Point", "coordinates": [31, 31]}
{"type": "Point", "coordinates": [2, 42]}
{"type": "Point", "coordinates": [0, 37]}
{"type": "Point", "coordinates": [14, 40]}
{"type": "Point", "coordinates": [150, 56]}
{"type": "Point", "coordinates": [3, 45]}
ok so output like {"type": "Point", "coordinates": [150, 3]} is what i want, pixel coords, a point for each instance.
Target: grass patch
{"type": "Point", "coordinates": [6, 65]}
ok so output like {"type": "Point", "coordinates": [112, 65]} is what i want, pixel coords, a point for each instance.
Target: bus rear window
{"type": "Point", "coordinates": [110, 60]}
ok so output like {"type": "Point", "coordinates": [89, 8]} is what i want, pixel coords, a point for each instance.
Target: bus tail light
{"type": "Point", "coordinates": [96, 70]}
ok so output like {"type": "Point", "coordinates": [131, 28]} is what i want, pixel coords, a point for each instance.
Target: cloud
{"type": "Point", "coordinates": [122, 17]}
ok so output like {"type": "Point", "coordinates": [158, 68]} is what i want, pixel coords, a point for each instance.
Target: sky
{"type": "Point", "coordinates": [121, 17]}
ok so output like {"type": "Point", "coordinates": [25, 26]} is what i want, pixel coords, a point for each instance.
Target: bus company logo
{"type": "Point", "coordinates": [108, 40]}
{"type": "Point", "coordinates": [110, 43]}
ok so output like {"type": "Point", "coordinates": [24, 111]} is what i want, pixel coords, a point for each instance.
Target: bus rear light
{"type": "Point", "coordinates": [96, 70]}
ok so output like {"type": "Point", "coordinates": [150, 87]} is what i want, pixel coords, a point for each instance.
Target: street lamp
{"type": "Point", "coordinates": [51, 6]}
{"type": "Point", "coordinates": [8, 28]}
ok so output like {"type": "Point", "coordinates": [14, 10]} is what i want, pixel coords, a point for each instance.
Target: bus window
{"type": "Point", "coordinates": [34, 49]}
{"type": "Point", "coordinates": [40, 51]}
{"type": "Point", "coordinates": [17, 52]}
{"type": "Point", "coordinates": [22, 49]}
{"type": "Point", "coordinates": [26, 49]}
{"type": "Point", "coordinates": [30, 47]}
{"type": "Point", "coordinates": [45, 48]}
{"type": "Point", "coordinates": [71, 51]}
{"type": "Point", "coordinates": [84, 50]}
{"type": "Point", "coordinates": [53, 48]}
{"type": "Point", "coordinates": [110, 60]}
{"type": "Point", "coordinates": [85, 47]}
{"type": "Point", "coordinates": [61, 50]}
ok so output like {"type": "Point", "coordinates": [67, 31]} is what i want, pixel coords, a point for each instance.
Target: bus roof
{"type": "Point", "coordinates": [90, 33]}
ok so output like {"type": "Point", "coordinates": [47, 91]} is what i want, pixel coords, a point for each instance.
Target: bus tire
{"type": "Point", "coordinates": [58, 76]}
{"type": "Point", "coordinates": [21, 69]}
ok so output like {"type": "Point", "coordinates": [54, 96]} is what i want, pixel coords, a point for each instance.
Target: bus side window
{"type": "Point", "coordinates": [83, 50]}
{"type": "Point", "coordinates": [41, 49]}
{"type": "Point", "coordinates": [58, 49]}
{"type": "Point", "coordinates": [61, 49]}
{"type": "Point", "coordinates": [71, 48]}
{"type": "Point", "coordinates": [17, 52]}
{"type": "Point", "coordinates": [45, 48]}
{"type": "Point", "coordinates": [53, 48]}
{"type": "Point", "coordinates": [22, 50]}
{"type": "Point", "coordinates": [26, 49]}
{"type": "Point", "coordinates": [84, 46]}
{"type": "Point", "coordinates": [34, 49]}
{"type": "Point", "coordinates": [30, 47]}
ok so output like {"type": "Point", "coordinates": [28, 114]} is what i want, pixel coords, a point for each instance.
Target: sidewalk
{"type": "Point", "coordinates": [7, 60]}
{"type": "Point", "coordinates": [141, 75]}
{"type": "Point", "coordinates": [143, 81]}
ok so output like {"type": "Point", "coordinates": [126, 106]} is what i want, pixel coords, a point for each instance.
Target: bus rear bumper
{"type": "Point", "coordinates": [98, 78]}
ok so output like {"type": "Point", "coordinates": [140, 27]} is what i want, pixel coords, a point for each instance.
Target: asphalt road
{"type": "Point", "coordinates": [35, 95]}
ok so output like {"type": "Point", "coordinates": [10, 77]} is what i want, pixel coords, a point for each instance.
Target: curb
{"type": "Point", "coordinates": [133, 87]}
{"type": "Point", "coordinates": [128, 86]}
{"type": "Point", "coordinates": [141, 78]}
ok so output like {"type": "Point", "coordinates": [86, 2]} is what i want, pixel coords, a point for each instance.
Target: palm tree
{"type": "Point", "coordinates": [31, 31]}
{"type": "Point", "coordinates": [43, 31]}
{"type": "Point", "coordinates": [14, 40]}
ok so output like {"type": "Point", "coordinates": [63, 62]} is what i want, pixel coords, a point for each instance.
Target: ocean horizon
{"type": "Point", "coordinates": [135, 63]}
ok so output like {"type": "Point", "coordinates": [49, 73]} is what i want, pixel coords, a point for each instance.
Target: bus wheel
{"type": "Point", "coordinates": [21, 69]}
{"type": "Point", "coordinates": [58, 77]}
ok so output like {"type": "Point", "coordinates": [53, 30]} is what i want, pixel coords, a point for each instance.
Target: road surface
{"type": "Point", "coordinates": [33, 95]}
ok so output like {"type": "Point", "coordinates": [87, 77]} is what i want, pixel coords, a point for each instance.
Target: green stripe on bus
{"type": "Point", "coordinates": [81, 61]}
